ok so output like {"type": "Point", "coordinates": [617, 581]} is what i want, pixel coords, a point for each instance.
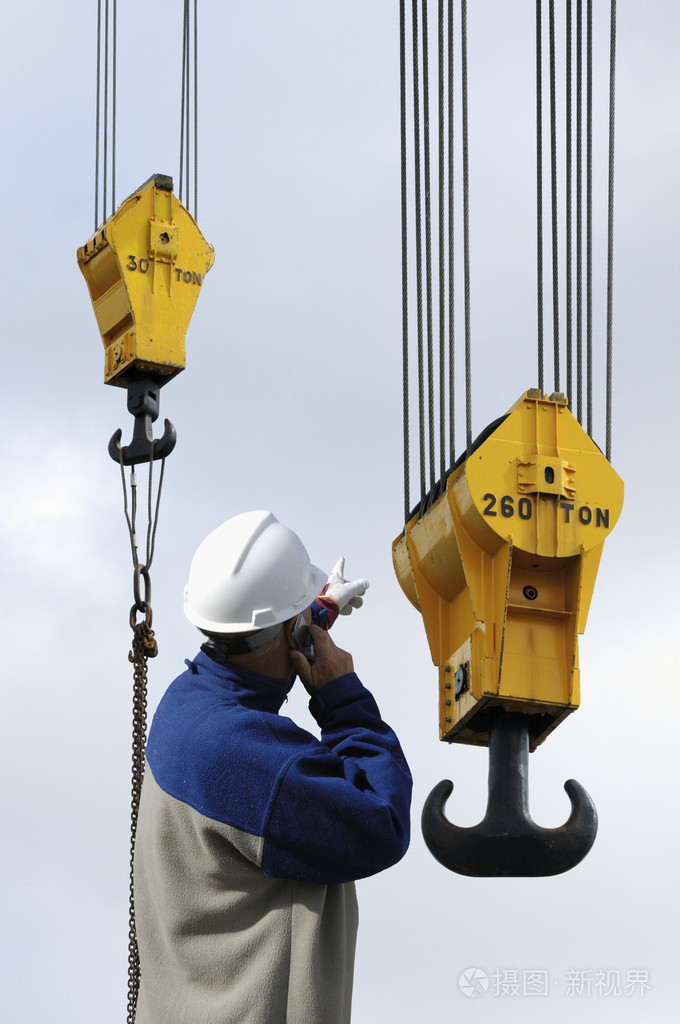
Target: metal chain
{"type": "Point", "coordinates": [144, 646]}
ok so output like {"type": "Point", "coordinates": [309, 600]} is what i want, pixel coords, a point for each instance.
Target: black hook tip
{"type": "Point", "coordinates": [507, 842]}
{"type": "Point", "coordinates": [494, 848]}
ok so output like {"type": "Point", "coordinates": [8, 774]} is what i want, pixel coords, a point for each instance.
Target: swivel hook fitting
{"type": "Point", "coordinates": [507, 842]}
{"type": "Point", "coordinates": [143, 401]}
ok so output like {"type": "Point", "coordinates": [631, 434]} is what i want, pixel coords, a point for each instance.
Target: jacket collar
{"type": "Point", "coordinates": [251, 689]}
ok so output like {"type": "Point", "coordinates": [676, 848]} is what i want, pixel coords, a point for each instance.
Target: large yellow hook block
{"type": "Point", "coordinates": [144, 269]}
{"type": "Point", "coordinates": [502, 567]}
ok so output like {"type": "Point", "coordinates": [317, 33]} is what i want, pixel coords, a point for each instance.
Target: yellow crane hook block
{"type": "Point", "coordinates": [502, 567]}
{"type": "Point", "coordinates": [144, 269]}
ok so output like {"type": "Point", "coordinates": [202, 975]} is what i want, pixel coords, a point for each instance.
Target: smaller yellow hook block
{"type": "Point", "coordinates": [502, 567]}
{"type": "Point", "coordinates": [144, 269]}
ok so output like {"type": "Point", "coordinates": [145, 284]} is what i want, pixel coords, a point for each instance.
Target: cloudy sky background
{"type": "Point", "coordinates": [292, 401]}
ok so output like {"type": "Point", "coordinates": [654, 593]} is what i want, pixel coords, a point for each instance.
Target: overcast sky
{"type": "Point", "coordinates": [291, 400]}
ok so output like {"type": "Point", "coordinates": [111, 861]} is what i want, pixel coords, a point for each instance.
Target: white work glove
{"type": "Point", "coordinates": [346, 594]}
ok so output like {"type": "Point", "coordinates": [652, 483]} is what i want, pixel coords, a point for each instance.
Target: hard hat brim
{"type": "Point", "coordinates": [261, 620]}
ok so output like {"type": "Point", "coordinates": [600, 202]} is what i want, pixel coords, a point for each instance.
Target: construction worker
{"type": "Point", "coordinates": [251, 831]}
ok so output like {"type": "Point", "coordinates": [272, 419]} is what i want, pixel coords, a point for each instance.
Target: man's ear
{"type": "Point", "coordinates": [288, 632]}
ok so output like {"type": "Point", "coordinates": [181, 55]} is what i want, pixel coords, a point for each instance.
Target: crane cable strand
{"type": "Point", "coordinates": [589, 218]}
{"type": "Point", "coordinates": [97, 117]}
{"type": "Point", "coordinates": [106, 105]}
{"type": "Point", "coordinates": [568, 202]}
{"type": "Point", "coordinates": [428, 243]}
{"type": "Point", "coordinates": [114, 94]}
{"type": "Point", "coordinates": [195, 109]}
{"type": "Point", "coordinates": [610, 228]}
{"type": "Point", "coordinates": [442, 292]}
{"type": "Point", "coordinates": [579, 212]}
{"type": "Point", "coordinates": [105, 111]}
{"type": "Point", "coordinates": [404, 254]}
{"type": "Point", "coordinates": [188, 138]}
{"type": "Point", "coordinates": [553, 175]}
{"type": "Point", "coordinates": [539, 195]}
{"type": "Point", "coordinates": [466, 225]}
{"type": "Point", "coordinates": [419, 251]}
{"type": "Point", "coordinates": [452, 358]}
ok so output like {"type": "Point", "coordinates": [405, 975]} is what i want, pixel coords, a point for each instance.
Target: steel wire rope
{"type": "Point", "coordinates": [466, 225]}
{"type": "Point", "coordinates": [579, 211]}
{"type": "Point", "coordinates": [539, 192]}
{"type": "Point", "coordinates": [553, 187]}
{"type": "Point", "coordinates": [428, 247]}
{"type": "Point", "coordinates": [188, 132]}
{"type": "Point", "coordinates": [452, 358]}
{"type": "Point", "coordinates": [568, 205]}
{"type": "Point", "coordinates": [105, 110]}
{"type": "Point", "coordinates": [106, 103]}
{"type": "Point", "coordinates": [187, 111]}
{"type": "Point", "coordinates": [183, 102]}
{"type": "Point", "coordinates": [195, 108]}
{"type": "Point", "coordinates": [97, 116]}
{"type": "Point", "coordinates": [610, 227]}
{"type": "Point", "coordinates": [114, 92]}
{"type": "Point", "coordinates": [404, 256]}
{"type": "Point", "coordinates": [589, 218]}
{"type": "Point", "coordinates": [419, 254]}
{"type": "Point", "coordinates": [442, 293]}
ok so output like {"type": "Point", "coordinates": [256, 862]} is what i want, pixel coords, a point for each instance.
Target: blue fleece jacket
{"type": "Point", "coordinates": [329, 812]}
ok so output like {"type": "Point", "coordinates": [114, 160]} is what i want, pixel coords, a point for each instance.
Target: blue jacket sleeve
{"type": "Point", "coordinates": [340, 808]}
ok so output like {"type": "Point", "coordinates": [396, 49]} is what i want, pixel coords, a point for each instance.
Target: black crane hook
{"type": "Point", "coordinates": [507, 842]}
{"type": "Point", "coordinates": [143, 401]}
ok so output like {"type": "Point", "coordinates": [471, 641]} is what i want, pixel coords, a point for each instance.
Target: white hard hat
{"type": "Point", "coordinates": [249, 573]}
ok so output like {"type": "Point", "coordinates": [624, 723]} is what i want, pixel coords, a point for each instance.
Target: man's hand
{"type": "Point", "coordinates": [330, 663]}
